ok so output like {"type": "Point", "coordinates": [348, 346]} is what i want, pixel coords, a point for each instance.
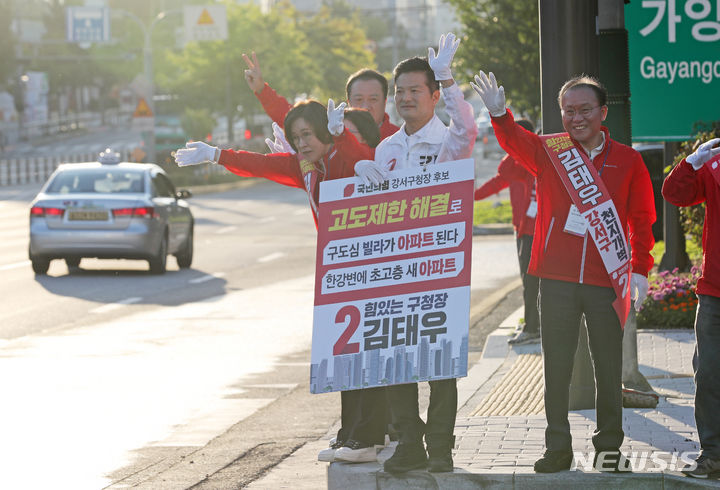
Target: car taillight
{"type": "Point", "coordinates": [39, 211]}
{"type": "Point", "coordinates": [142, 212]}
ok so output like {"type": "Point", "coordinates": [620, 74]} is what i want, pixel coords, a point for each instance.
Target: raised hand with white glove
{"type": "Point", "coordinates": [638, 289]}
{"type": "Point", "coordinates": [336, 116]}
{"type": "Point", "coordinates": [492, 96]}
{"type": "Point", "coordinates": [195, 153]}
{"type": "Point", "coordinates": [704, 153]}
{"type": "Point", "coordinates": [371, 172]}
{"type": "Point", "coordinates": [280, 145]}
{"type": "Point", "coordinates": [440, 64]}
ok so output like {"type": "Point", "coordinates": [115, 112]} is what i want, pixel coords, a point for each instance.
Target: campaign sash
{"type": "Point", "coordinates": [713, 166]}
{"type": "Point", "coordinates": [592, 199]}
{"type": "Point", "coordinates": [310, 177]}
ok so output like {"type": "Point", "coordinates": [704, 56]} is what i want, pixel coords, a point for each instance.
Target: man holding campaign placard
{"type": "Point", "coordinates": [421, 141]}
{"type": "Point", "coordinates": [594, 196]}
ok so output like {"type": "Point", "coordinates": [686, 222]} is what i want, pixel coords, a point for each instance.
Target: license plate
{"type": "Point", "coordinates": [88, 216]}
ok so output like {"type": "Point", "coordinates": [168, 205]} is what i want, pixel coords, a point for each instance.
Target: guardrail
{"type": "Point", "coordinates": [29, 170]}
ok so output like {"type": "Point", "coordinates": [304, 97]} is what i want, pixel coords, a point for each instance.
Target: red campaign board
{"type": "Point", "coordinates": [392, 282]}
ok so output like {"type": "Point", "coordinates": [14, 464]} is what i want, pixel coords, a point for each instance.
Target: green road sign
{"type": "Point", "coordinates": [674, 66]}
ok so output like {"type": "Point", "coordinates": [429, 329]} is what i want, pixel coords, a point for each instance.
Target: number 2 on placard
{"type": "Point", "coordinates": [342, 346]}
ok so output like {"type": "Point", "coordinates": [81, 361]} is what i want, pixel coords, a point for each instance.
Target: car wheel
{"type": "Point", "coordinates": [185, 255]}
{"type": "Point", "coordinates": [40, 265]}
{"type": "Point", "coordinates": [158, 262]}
{"type": "Point", "coordinates": [72, 261]}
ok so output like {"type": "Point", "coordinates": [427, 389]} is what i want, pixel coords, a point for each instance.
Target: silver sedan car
{"type": "Point", "coordinates": [108, 209]}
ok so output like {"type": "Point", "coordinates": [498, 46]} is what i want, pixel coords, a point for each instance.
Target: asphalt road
{"type": "Point", "coordinates": [122, 378]}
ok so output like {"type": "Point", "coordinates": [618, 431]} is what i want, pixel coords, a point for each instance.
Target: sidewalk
{"type": "Point", "coordinates": [500, 425]}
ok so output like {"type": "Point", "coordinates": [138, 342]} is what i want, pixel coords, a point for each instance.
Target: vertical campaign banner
{"type": "Point", "coordinates": [392, 283]}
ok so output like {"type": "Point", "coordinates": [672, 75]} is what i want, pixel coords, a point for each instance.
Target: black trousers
{"type": "Point", "coordinates": [562, 305]}
{"type": "Point", "coordinates": [440, 425]}
{"type": "Point", "coordinates": [706, 365]}
{"type": "Point", "coordinates": [363, 415]}
{"type": "Point", "coordinates": [531, 284]}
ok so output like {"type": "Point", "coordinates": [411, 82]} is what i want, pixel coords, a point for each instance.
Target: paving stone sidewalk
{"type": "Point", "coordinates": [497, 450]}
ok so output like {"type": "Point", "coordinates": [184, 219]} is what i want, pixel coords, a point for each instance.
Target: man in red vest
{"type": "Point", "coordinates": [694, 180]}
{"type": "Point", "coordinates": [594, 193]}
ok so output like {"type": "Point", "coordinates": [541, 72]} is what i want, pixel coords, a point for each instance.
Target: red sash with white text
{"type": "Point", "coordinates": [589, 194]}
{"type": "Point", "coordinates": [310, 175]}
{"type": "Point", "coordinates": [713, 166]}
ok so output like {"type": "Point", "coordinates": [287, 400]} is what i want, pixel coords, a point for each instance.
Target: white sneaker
{"type": "Point", "coordinates": [356, 452]}
{"type": "Point", "coordinates": [328, 455]}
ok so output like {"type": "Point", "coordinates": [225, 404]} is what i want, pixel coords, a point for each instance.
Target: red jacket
{"type": "Point", "coordinates": [566, 257]}
{"type": "Point", "coordinates": [284, 168]}
{"type": "Point", "coordinates": [521, 182]}
{"type": "Point", "coordinates": [276, 106]}
{"type": "Point", "coordinates": [686, 187]}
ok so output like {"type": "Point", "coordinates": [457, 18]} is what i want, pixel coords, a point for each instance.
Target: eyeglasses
{"type": "Point", "coordinates": [586, 112]}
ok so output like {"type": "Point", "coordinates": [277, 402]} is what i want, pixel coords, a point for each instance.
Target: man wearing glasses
{"type": "Point", "coordinates": [594, 196]}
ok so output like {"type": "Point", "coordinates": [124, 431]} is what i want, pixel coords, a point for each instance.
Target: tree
{"type": "Point", "coordinates": [8, 68]}
{"type": "Point", "coordinates": [502, 36]}
{"type": "Point", "coordinates": [209, 75]}
{"type": "Point", "coordinates": [338, 46]}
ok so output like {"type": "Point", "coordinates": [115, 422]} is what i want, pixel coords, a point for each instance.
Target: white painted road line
{"type": "Point", "coordinates": [116, 305]}
{"type": "Point", "coordinates": [206, 278]}
{"type": "Point", "coordinates": [227, 229]}
{"type": "Point", "coordinates": [267, 219]}
{"type": "Point", "coordinates": [16, 265]}
{"type": "Point", "coordinates": [272, 256]}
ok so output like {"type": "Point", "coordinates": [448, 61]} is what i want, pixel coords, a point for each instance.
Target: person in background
{"type": "Point", "coordinates": [365, 89]}
{"type": "Point", "coordinates": [610, 182]}
{"type": "Point", "coordinates": [524, 209]}
{"type": "Point", "coordinates": [695, 180]}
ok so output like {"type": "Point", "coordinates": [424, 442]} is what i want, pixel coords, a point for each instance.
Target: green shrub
{"type": "Point", "coordinates": [486, 212]}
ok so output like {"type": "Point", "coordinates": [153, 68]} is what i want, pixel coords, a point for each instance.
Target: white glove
{"type": "Point", "coordinates": [638, 289]}
{"type": "Point", "coordinates": [371, 172]}
{"type": "Point", "coordinates": [336, 116]}
{"type": "Point", "coordinates": [195, 153]}
{"type": "Point", "coordinates": [704, 153]}
{"type": "Point", "coordinates": [280, 145]}
{"type": "Point", "coordinates": [440, 64]}
{"type": "Point", "coordinates": [492, 96]}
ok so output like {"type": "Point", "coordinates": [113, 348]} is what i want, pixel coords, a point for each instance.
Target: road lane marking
{"type": "Point", "coordinates": [207, 277]}
{"type": "Point", "coordinates": [227, 229]}
{"type": "Point", "coordinates": [116, 305]}
{"type": "Point", "coordinates": [281, 386]}
{"type": "Point", "coordinates": [298, 212]}
{"type": "Point", "coordinates": [16, 265]}
{"type": "Point", "coordinates": [267, 219]}
{"type": "Point", "coordinates": [272, 256]}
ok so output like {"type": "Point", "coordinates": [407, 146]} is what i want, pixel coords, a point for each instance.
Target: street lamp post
{"type": "Point", "coordinates": [148, 70]}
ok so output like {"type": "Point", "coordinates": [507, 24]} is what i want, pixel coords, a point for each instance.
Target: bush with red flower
{"type": "Point", "coordinates": [671, 300]}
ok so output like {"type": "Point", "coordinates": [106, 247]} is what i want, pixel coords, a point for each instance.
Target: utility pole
{"type": "Point", "coordinates": [568, 47]}
{"type": "Point", "coordinates": [148, 134]}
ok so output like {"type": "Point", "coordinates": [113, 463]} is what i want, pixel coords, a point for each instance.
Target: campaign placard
{"type": "Point", "coordinates": [392, 283]}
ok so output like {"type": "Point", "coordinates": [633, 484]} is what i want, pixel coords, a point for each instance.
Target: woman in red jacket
{"type": "Point", "coordinates": [324, 149]}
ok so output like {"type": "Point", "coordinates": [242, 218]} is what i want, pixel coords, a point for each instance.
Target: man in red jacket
{"type": "Point", "coordinates": [365, 89]}
{"type": "Point", "coordinates": [524, 209]}
{"type": "Point", "coordinates": [593, 194]}
{"type": "Point", "coordinates": [693, 181]}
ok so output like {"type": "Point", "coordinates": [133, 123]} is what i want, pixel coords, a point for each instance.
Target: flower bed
{"type": "Point", "coordinates": [671, 300]}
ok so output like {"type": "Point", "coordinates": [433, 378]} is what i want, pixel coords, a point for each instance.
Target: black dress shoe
{"type": "Point", "coordinates": [554, 461]}
{"type": "Point", "coordinates": [406, 457]}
